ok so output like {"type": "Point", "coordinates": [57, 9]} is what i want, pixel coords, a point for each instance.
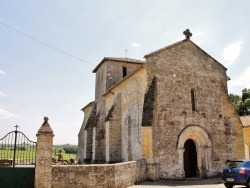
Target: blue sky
{"type": "Point", "coordinates": [38, 79]}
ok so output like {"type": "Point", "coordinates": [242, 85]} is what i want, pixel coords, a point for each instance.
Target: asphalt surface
{"type": "Point", "coordinates": [189, 183]}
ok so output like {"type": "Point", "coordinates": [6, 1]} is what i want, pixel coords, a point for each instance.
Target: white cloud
{"type": "Point", "coordinates": [136, 45]}
{"type": "Point", "coordinates": [5, 114]}
{"type": "Point", "coordinates": [231, 53]}
{"type": "Point", "coordinates": [2, 94]}
{"type": "Point", "coordinates": [243, 80]}
{"type": "Point", "coordinates": [2, 72]}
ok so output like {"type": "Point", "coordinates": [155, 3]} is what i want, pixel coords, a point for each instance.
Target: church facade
{"type": "Point", "coordinates": [172, 109]}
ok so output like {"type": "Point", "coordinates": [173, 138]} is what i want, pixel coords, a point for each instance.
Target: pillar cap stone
{"type": "Point", "coordinates": [45, 128]}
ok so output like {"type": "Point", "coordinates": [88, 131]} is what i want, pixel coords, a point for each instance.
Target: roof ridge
{"type": "Point", "coordinates": [182, 41]}
{"type": "Point", "coordinates": [119, 59]}
{"type": "Point", "coordinates": [166, 47]}
{"type": "Point", "coordinates": [122, 59]}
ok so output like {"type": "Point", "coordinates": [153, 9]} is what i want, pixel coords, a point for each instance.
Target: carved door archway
{"type": "Point", "coordinates": [196, 139]}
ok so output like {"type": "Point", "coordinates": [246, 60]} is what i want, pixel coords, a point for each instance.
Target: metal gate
{"type": "Point", "coordinates": [17, 161]}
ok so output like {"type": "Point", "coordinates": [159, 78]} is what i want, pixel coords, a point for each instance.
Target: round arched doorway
{"type": "Point", "coordinates": [190, 159]}
{"type": "Point", "coordinates": [194, 151]}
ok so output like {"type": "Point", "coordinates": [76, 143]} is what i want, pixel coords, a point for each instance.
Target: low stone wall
{"type": "Point", "coordinates": [119, 175]}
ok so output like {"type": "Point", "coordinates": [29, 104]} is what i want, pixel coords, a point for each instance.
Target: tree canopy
{"type": "Point", "coordinates": [241, 103]}
{"type": "Point", "coordinates": [70, 149]}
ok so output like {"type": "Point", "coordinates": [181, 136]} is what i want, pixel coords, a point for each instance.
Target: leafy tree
{"type": "Point", "coordinates": [70, 149]}
{"type": "Point", "coordinates": [245, 94]}
{"type": "Point", "coordinates": [241, 103]}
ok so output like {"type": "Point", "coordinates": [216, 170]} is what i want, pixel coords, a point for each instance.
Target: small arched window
{"type": "Point", "coordinates": [193, 99]}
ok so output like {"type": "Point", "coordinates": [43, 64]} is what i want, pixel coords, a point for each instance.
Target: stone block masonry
{"type": "Point", "coordinates": [43, 170]}
{"type": "Point", "coordinates": [119, 175]}
{"type": "Point", "coordinates": [172, 109]}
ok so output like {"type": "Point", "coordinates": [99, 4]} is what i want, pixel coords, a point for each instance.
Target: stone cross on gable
{"type": "Point", "coordinates": [187, 33]}
{"type": "Point", "coordinates": [16, 126]}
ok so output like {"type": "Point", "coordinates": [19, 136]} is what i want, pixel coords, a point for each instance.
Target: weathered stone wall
{"type": "Point", "coordinates": [81, 137]}
{"type": "Point", "coordinates": [148, 105]}
{"type": "Point", "coordinates": [233, 130]}
{"type": "Point", "coordinates": [100, 137]}
{"type": "Point", "coordinates": [132, 92]}
{"type": "Point", "coordinates": [100, 85]}
{"type": "Point", "coordinates": [114, 72]}
{"type": "Point", "coordinates": [180, 95]}
{"type": "Point", "coordinates": [115, 143]}
{"type": "Point", "coordinates": [246, 132]}
{"type": "Point", "coordinates": [147, 143]}
{"type": "Point", "coordinates": [120, 175]}
{"type": "Point", "coordinates": [178, 70]}
{"type": "Point", "coordinates": [89, 145]}
{"type": "Point", "coordinates": [108, 74]}
{"type": "Point", "coordinates": [95, 120]}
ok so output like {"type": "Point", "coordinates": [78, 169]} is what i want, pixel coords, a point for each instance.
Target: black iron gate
{"type": "Point", "coordinates": [17, 161]}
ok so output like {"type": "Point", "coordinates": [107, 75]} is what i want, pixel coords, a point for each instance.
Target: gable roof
{"type": "Point", "coordinates": [89, 104]}
{"type": "Point", "coordinates": [124, 79]}
{"type": "Point", "coordinates": [117, 59]}
{"type": "Point", "coordinates": [181, 42]}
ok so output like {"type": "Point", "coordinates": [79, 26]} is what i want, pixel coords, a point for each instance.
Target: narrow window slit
{"type": "Point", "coordinates": [193, 99]}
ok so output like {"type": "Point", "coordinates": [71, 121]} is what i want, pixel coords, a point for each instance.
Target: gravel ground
{"type": "Point", "coordinates": [189, 183]}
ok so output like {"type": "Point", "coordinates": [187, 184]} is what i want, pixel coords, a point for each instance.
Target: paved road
{"type": "Point", "coordinates": [190, 183]}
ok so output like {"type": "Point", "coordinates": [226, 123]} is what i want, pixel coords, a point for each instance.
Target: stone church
{"type": "Point", "coordinates": [172, 109]}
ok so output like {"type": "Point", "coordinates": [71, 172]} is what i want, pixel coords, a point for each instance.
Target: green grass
{"type": "Point", "coordinates": [65, 156]}
{"type": "Point", "coordinates": [8, 153]}
{"type": "Point", "coordinates": [20, 154]}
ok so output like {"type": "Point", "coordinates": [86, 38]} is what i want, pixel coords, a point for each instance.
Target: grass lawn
{"type": "Point", "coordinates": [29, 153]}
{"type": "Point", "coordinates": [20, 154]}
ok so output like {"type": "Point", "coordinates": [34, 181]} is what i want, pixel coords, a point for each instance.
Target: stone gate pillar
{"type": "Point", "coordinates": [43, 171]}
